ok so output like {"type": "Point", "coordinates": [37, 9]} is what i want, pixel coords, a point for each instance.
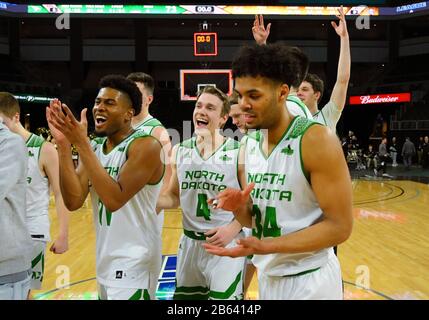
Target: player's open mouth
{"type": "Point", "coordinates": [100, 120]}
{"type": "Point", "coordinates": [201, 123]}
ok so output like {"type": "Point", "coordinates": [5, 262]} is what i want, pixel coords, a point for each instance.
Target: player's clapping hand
{"type": "Point", "coordinates": [62, 120]}
{"type": "Point", "coordinates": [54, 107]}
{"type": "Point", "coordinates": [232, 199]}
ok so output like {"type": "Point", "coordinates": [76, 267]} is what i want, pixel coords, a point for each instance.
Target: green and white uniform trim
{"type": "Point", "coordinates": [296, 107]}
{"type": "Point", "coordinates": [37, 192]}
{"type": "Point", "coordinates": [200, 180]}
{"type": "Point", "coordinates": [283, 200]}
{"type": "Point", "coordinates": [148, 124]}
{"type": "Point", "coordinates": [328, 115]}
{"type": "Point", "coordinates": [200, 275]}
{"type": "Point", "coordinates": [128, 240]}
{"type": "Point", "coordinates": [204, 293]}
{"type": "Point", "coordinates": [37, 200]}
{"type": "Point", "coordinates": [38, 264]}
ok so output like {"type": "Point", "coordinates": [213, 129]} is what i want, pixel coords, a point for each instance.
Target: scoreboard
{"type": "Point", "coordinates": [283, 7]}
{"type": "Point", "coordinates": [205, 44]}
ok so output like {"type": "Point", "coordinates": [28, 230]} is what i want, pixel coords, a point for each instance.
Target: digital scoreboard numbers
{"type": "Point", "coordinates": [205, 44]}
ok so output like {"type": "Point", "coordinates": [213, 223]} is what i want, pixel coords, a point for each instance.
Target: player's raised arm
{"type": "Point", "coordinates": [339, 92]}
{"type": "Point", "coordinates": [260, 33]}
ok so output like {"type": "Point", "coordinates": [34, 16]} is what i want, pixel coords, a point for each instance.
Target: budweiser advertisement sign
{"type": "Point", "coordinates": [381, 98]}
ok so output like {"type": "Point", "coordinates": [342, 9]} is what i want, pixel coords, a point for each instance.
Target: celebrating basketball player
{"type": "Point", "coordinates": [300, 204]}
{"type": "Point", "coordinates": [123, 171]}
{"type": "Point", "coordinates": [201, 167]}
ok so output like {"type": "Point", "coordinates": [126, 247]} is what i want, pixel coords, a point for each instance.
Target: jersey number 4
{"type": "Point", "coordinates": [270, 228]}
{"type": "Point", "coordinates": [203, 207]}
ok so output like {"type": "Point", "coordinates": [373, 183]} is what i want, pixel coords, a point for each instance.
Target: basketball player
{"type": "Point", "coordinates": [123, 171]}
{"type": "Point", "coordinates": [310, 91]}
{"type": "Point", "coordinates": [236, 114]}
{"type": "Point", "coordinates": [42, 174]}
{"type": "Point", "coordinates": [150, 125]}
{"type": "Point", "coordinates": [15, 240]}
{"type": "Point", "coordinates": [300, 206]}
{"type": "Point", "coordinates": [201, 167]}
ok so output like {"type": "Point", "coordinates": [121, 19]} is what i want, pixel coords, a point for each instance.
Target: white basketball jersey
{"type": "Point", "coordinates": [283, 201]}
{"type": "Point", "coordinates": [128, 240]}
{"type": "Point", "coordinates": [200, 180]}
{"type": "Point", "coordinates": [297, 108]}
{"type": "Point", "coordinates": [37, 191]}
{"type": "Point", "coordinates": [328, 115]}
{"type": "Point", "coordinates": [148, 124]}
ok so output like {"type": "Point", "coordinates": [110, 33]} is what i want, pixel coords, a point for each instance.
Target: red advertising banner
{"type": "Point", "coordinates": [381, 98]}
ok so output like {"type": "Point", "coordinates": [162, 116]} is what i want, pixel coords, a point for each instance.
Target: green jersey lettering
{"type": "Point", "coordinates": [286, 195]}
{"type": "Point", "coordinates": [257, 231]}
{"type": "Point", "coordinates": [203, 207]}
{"type": "Point", "coordinates": [270, 228]}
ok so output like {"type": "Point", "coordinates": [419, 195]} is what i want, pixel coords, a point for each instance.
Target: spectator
{"type": "Point", "coordinates": [394, 152]}
{"type": "Point", "coordinates": [383, 154]}
{"type": "Point", "coordinates": [420, 151]}
{"type": "Point", "coordinates": [371, 158]}
{"type": "Point", "coordinates": [408, 151]}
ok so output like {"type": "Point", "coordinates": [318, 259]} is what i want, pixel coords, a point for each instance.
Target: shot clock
{"type": "Point", "coordinates": [205, 44]}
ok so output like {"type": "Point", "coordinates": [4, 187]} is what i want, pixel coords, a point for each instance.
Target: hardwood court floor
{"type": "Point", "coordinates": [385, 258]}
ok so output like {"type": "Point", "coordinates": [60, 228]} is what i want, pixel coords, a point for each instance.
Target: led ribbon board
{"type": "Point", "coordinates": [197, 9]}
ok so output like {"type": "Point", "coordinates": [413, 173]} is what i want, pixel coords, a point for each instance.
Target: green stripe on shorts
{"type": "Point", "coordinates": [229, 292]}
{"type": "Point", "coordinates": [191, 293]}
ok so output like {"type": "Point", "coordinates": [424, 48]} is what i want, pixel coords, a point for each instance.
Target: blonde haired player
{"type": "Point", "coordinates": [201, 167]}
